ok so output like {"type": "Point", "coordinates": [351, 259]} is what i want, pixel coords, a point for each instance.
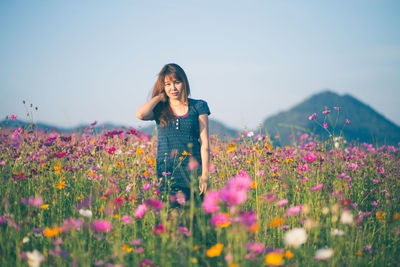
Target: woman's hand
{"type": "Point", "coordinates": [203, 184]}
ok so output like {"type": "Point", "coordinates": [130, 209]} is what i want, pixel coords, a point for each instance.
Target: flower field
{"type": "Point", "coordinates": [93, 200]}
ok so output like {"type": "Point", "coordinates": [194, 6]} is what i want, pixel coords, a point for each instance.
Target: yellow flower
{"type": "Point", "coordinates": [44, 206]}
{"type": "Point", "coordinates": [380, 214]}
{"type": "Point", "coordinates": [118, 163]}
{"type": "Point", "coordinates": [268, 146]}
{"type": "Point", "coordinates": [127, 248]}
{"type": "Point", "coordinates": [288, 254]}
{"type": "Point", "coordinates": [276, 222]}
{"type": "Point", "coordinates": [139, 150]}
{"type": "Point", "coordinates": [80, 197]}
{"type": "Point", "coordinates": [116, 216]}
{"type": "Point", "coordinates": [215, 251]}
{"type": "Point", "coordinates": [146, 173]}
{"type": "Point", "coordinates": [253, 185]}
{"type": "Point", "coordinates": [61, 185]}
{"type": "Point", "coordinates": [196, 247]}
{"type": "Point", "coordinates": [185, 153]}
{"type": "Point", "coordinates": [50, 232]}
{"type": "Point", "coordinates": [181, 158]}
{"type": "Point", "coordinates": [273, 258]}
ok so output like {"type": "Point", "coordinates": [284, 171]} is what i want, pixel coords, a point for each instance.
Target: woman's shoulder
{"type": "Point", "coordinates": [200, 105]}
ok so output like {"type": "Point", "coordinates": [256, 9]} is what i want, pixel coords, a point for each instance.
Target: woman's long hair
{"type": "Point", "coordinates": [163, 110]}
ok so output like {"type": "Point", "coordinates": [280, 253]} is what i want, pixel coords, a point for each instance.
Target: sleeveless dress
{"type": "Point", "coordinates": [176, 141]}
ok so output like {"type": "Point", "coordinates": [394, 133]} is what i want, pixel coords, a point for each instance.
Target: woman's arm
{"type": "Point", "coordinates": [205, 151]}
{"type": "Point", "coordinates": [145, 112]}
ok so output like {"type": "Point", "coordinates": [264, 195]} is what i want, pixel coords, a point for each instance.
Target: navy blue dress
{"type": "Point", "coordinates": [179, 136]}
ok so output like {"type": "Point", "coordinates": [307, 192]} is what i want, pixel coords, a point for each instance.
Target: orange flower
{"type": "Point", "coordinates": [268, 146]}
{"type": "Point", "coordinates": [396, 216]}
{"type": "Point", "coordinates": [288, 254]}
{"type": "Point", "coordinates": [276, 222]}
{"type": "Point", "coordinates": [139, 150]}
{"type": "Point", "coordinates": [360, 252]}
{"type": "Point", "coordinates": [181, 158]}
{"type": "Point", "coordinates": [185, 153]}
{"type": "Point", "coordinates": [119, 164]}
{"type": "Point", "coordinates": [146, 173]}
{"type": "Point", "coordinates": [254, 227]}
{"type": "Point", "coordinates": [380, 214]}
{"type": "Point", "coordinates": [127, 248]}
{"type": "Point", "coordinates": [61, 185]}
{"type": "Point", "coordinates": [50, 232]}
{"type": "Point", "coordinates": [215, 251]}
{"type": "Point", "coordinates": [253, 185]}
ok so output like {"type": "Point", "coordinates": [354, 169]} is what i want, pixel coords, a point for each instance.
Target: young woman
{"type": "Point", "coordinates": [182, 126]}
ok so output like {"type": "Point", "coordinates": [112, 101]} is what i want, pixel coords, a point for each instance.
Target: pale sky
{"type": "Point", "coordinates": [81, 61]}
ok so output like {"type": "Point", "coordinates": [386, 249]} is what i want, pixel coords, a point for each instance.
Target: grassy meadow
{"type": "Point", "coordinates": [92, 199]}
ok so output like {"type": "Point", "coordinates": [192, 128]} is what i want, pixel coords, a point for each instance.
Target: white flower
{"type": "Point", "coordinates": [295, 237]}
{"type": "Point", "coordinates": [34, 258]}
{"type": "Point", "coordinates": [250, 134]}
{"type": "Point", "coordinates": [25, 239]}
{"type": "Point", "coordinates": [337, 232]}
{"type": "Point", "coordinates": [323, 253]}
{"type": "Point", "coordinates": [85, 213]}
{"type": "Point", "coordinates": [346, 217]}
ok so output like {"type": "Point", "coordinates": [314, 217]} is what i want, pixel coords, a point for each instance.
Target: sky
{"type": "Point", "coordinates": [86, 61]}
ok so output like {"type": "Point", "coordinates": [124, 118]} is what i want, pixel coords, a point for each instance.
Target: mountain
{"type": "Point", "coordinates": [366, 125]}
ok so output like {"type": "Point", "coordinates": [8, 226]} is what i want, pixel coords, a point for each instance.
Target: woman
{"type": "Point", "coordinates": [182, 126]}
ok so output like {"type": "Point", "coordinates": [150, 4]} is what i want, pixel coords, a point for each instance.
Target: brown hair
{"type": "Point", "coordinates": [163, 110]}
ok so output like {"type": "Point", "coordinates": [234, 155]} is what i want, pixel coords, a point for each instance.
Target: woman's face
{"type": "Point", "coordinates": [173, 88]}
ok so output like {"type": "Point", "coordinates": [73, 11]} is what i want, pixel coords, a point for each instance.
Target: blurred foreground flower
{"type": "Point", "coordinates": [295, 237]}
{"type": "Point", "coordinates": [323, 253]}
{"type": "Point", "coordinates": [346, 217]}
{"type": "Point", "coordinates": [215, 251]}
{"type": "Point", "coordinates": [274, 259]}
{"type": "Point", "coordinates": [102, 226]}
{"type": "Point", "coordinates": [34, 258]}
{"type": "Point", "coordinates": [85, 213]}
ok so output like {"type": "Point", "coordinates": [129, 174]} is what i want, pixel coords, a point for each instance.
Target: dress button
{"type": "Point", "coordinates": [177, 123]}
{"type": "Point", "coordinates": [177, 128]}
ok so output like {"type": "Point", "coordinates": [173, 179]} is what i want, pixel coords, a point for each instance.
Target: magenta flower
{"type": "Point", "coordinates": [316, 187]}
{"type": "Point", "coordinates": [126, 219]}
{"type": "Point", "coordinates": [159, 229]}
{"type": "Point", "coordinates": [210, 202]}
{"type": "Point", "coordinates": [270, 197]}
{"type": "Point", "coordinates": [291, 211]}
{"type": "Point", "coordinates": [102, 226]}
{"type": "Point", "coordinates": [352, 166]}
{"type": "Point", "coordinates": [312, 117]}
{"type": "Point", "coordinates": [337, 108]}
{"type": "Point", "coordinates": [282, 202]}
{"type": "Point", "coordinates": [154, 203]}
{"type": "Point", "coordinates": [347, 121]}
{"type": "Point", "coordinates": [145, 263]}
{"type": "Point", "coordinates": [146, 187]}
{"type": "Point", "coordinates": [219, 219]}
{"type": "Point", "coordinates": [140, 211]}
{"type": "Point", "coordinates": [235, 190]}
{"type": "Point", "coordinates": [303, 167]}
{"type": "Point", "coordinates": [325, 125]}
{"type": "Point", "coordinates": [184, 231]}
{"type": "Point", "coordinates": [136, 242]}
{"type": "Point", "coordinates": [310, 157]}
{"type": "Point", "coordinates": [326, 111]}
{"type": "Point", "coordinates": [13, 117]}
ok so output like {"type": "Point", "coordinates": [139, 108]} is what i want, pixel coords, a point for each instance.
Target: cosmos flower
{"type": "Point", "coordinates": [282, 202]}
{"type": "Point", "coordinates": [313, 116]}
{"type": "Point", "coordinates": [310, 157]}
{"type": "Point", "coordinates": [126, 219]}
{"type": "Point", "coordinates": [346, 217]}
{"type": "Point", "coordinates": [34, 258]}
{"type": "Point", "coordinates": [274, 259]}
{"type": "Point", "coordinates": [210, 202]}
{"type": "Point", "coordinates": [102, 226]}
{"type": "Point", "coordinates": [140, 211]}
{"type": "Point", "coordinates": [159, 229]}
{"type": "Point", "coordinates": [85, 213]}
{"type": "Point", "coordinates": [323, 253]}
{"type": "Point", "coordinates": [295, 237]}
{"type": "Point", "coordinates": [215, 251]}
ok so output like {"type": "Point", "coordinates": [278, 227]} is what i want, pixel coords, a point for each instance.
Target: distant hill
{"type": "Point", "coordinates": [366, 125]}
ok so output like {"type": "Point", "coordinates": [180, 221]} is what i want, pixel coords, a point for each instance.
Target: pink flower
{"type": "Point", "coordinates": [13, 117]}
{"type": "Point", "coordinates": [235, 190]}
{"type": "Point", "coordinates": [72, 223]}
{"type": "Point", "coordinates": [312, 117]}
{"type": "Point", "coordinates": [136, 242]}
{"type": "Point", "coordinates": [184, 231]}
{"type": "Point", "coordinates": [210, 203]}
{"type": "Point", "coordinates": [347, 121]}
{"type": "Point", "coordinates": [282, 202]}
{"type": "Point", "coordinates": [102, 226]}
{"type": "Point", "coordinates": [325, 125]}
{"type": "Point", "coordinates": [180, 198]}
{"type": "Point", "coordinates": [35, 201]}
{"type": "Point", "coordinates": [352, 166]}
{"type": "Point", "coordinates": [316, 187]}
{"type": "Point", "coordinates": [126, 219]}
{"type": "Point", "coordinates": [146, 187]}
{"type": "Point", "coordinates": [374, 203]}
{"type": "Point", "coordinates": [111, 150]}
{"type": "Point", "coordinates": [140, 211]}
{"type": "Point", "coordinates": [159, 229]}
{"type": "Point", "coordinates": [292, 211]}
{"type": "Point", "coordinates": [154, 203]}
{"type": "Point", "coordinates": [326, 111]}
{"type": "Point", "coordinates": [255, 247]}
{"type": "Point", "coordinates": [310, 157]}
{"type": "Point", "coordinates": [193, 164]}
{"type": "Point", "coordinates": [303, 167]}
{"type": "Point", "coordinates": [219, 219]}
{"type": "Point", "coordinates": [270, 197]}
